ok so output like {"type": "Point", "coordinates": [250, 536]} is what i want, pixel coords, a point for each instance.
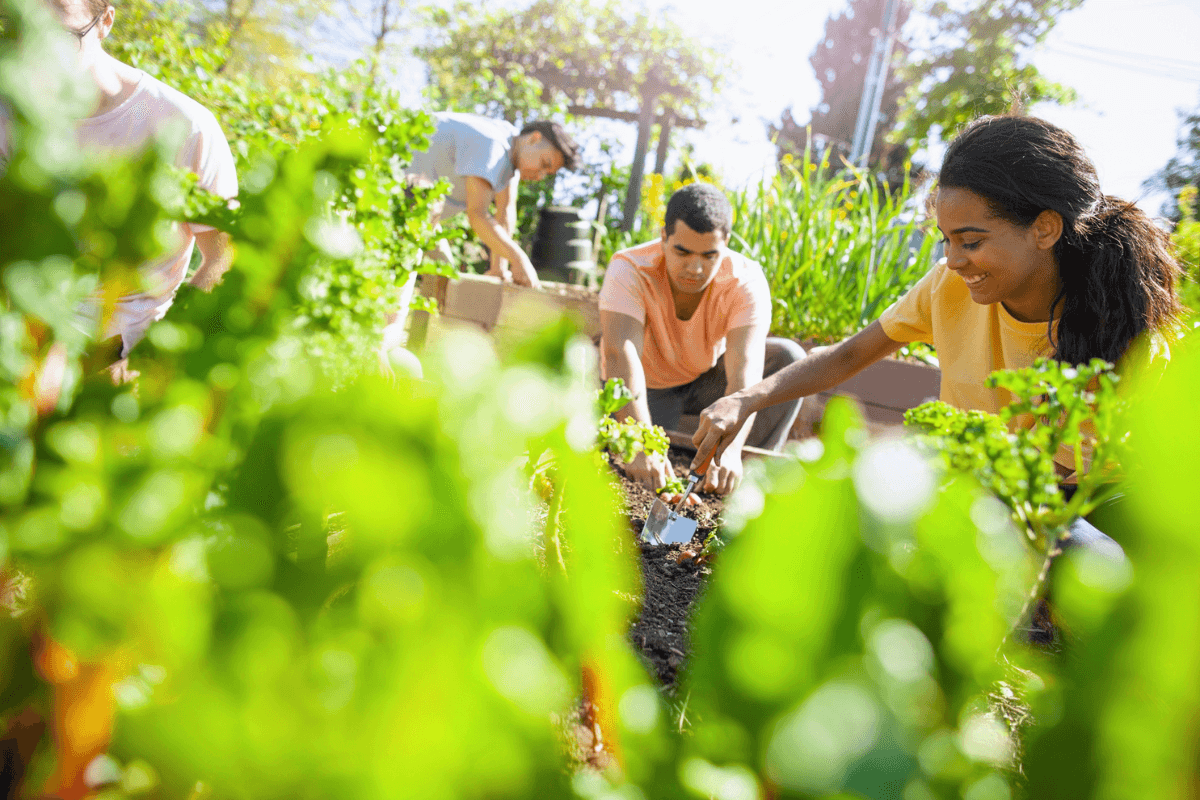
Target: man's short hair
{"type": "Point", "coordinates": [702, 206]}
{"type": "Point", "coordinates": [555, 135]}
{"type": "Point", "coordinates": [94, 7]}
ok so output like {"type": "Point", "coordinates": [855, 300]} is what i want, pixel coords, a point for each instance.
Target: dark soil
{"type": "Point", "coordinates": [673, 576]}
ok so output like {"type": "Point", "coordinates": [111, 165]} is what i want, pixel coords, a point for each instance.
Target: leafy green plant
{"type": "Point", "coordinates": [674, 485]}
{"type": "Point", "coordinates": [1076, 409]}
{"type": "Point", "coordinates": [1186, 238]}
{"type": "Point", "coordinates": [626, 438]}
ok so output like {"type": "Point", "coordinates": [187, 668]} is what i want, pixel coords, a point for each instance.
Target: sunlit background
{"type": "Point", "coordinates": [1134, 65]}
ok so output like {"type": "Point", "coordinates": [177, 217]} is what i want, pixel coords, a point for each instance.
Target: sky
{"type": "Point", "coordinates": [1133, 63]}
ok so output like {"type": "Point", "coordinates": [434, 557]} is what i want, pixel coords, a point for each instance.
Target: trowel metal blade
{"type": "Point", "coordinates": [656, 522]}
{"type": "Point", "coordinates": [664, 526]}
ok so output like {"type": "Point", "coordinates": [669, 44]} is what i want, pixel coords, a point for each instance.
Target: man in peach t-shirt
{"type": "Point", "coordinates": [684, 323]}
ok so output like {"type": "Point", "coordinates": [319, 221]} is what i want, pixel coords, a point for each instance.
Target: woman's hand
{"type": "Point", "coordinates": [719, 423]}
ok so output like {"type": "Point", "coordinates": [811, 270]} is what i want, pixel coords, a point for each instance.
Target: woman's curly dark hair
{"type": "Point", "coordinates": [1117, 267]}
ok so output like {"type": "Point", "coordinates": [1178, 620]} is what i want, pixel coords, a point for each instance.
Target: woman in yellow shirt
{"type": "Point", "coordinates": [1038, 262]}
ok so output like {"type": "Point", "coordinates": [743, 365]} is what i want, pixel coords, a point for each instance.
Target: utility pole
{"type": "Point", "coordinates": [874, 84]}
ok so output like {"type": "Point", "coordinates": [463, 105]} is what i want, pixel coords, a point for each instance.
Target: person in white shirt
{"type": "Point", "coordinates": [485, 160]}
{"type": "Point", "coordinates": [132, 111]}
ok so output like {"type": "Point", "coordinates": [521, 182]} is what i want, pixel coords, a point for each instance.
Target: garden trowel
{"type": "Point", "coordinates": [663, 524]}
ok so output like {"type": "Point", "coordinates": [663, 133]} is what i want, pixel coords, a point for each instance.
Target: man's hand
{"type": "Point", "coordinates": [723, 477]}
{"type": "Point", "coordinates": [524, 274]}
{"type": "Point", "coordinates": [653, 472]}
{"type": "Point", "coordinates": [120, 373]}
{"type": "Point", "coordinates": [719, 423]}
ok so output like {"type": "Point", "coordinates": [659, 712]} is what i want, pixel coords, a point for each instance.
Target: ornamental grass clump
{"type": "Point", "coordinates": [838, 246]}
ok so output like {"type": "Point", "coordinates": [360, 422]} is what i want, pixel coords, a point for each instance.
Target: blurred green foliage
{"type": "Point", "coordinates": [1186, 238]}
{"type": "Point", "coordinates": [852, 630]}
{"type": "Point", "coordinates": [304, 592]}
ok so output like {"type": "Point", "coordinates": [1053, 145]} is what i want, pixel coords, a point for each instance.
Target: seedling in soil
{"type": "Point", "coordinates": [673, 486]}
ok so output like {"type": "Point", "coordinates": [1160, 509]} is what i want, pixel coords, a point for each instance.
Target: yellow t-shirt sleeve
{"type": "Point", "coordinates": [910, 319]}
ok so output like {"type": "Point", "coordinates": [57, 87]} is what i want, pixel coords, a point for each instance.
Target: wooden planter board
{"type": "Point", "coordinates": [684, 441]}
{"type": "Point", "coordinates": [500, 308]}
{"type": "Point", "coordinates": [885, 389]}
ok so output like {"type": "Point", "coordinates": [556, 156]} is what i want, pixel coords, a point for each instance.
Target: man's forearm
{"type": "Point", "coordinates": [498, 240]}
{"type": "Point", "coordinates": [736, 385]}
{"type": "Point", "coordinates": [619, 362]}
{"type": "Point", "coordinates": [508, 224]}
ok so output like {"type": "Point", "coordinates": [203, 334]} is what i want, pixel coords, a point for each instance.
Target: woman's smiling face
{"type": "Point", "coordinates": [1001, 262]}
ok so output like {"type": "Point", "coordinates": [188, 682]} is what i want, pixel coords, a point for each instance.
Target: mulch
{"type": "Point", "coordinates": [673, 576]}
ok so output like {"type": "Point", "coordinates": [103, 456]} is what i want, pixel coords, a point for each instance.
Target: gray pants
{"type": "Point", "coordinates": [771, 425]}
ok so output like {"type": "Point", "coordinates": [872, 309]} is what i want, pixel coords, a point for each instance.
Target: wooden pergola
{"type": "Point", "coordinates": [645, 119]}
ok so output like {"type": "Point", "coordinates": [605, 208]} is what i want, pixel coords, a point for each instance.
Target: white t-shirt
{"type": "Point", "coordinates": [466, 145]}
{"type": "Point", "coordinates": [156, 110]}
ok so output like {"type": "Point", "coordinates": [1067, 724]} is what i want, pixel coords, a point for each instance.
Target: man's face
{"type": "Point", "coordinates": [87, 28]}
{"type": "Point", "coordinates": [692, 258]}
{"type": "Point", "coordinates": [537, 158]}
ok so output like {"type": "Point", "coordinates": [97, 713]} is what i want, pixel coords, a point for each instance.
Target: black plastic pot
{"type": "Point", "coordinates": [562, 246]}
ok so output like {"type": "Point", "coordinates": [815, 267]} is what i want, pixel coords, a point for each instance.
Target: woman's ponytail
{"type": "Point", "coordinates": [1118, 280]}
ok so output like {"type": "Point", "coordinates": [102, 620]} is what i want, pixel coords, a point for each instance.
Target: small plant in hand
{"type": "Point", "coordinates": [629, 437]}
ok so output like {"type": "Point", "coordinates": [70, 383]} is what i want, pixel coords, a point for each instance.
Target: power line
{"type": "Point", "coordinates": [1145, 70]}
{"type": "Point", "coordinates": [1165, 61]}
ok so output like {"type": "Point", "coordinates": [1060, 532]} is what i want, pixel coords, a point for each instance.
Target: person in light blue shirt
{"type": "Point", "coordinates": [485, 160]}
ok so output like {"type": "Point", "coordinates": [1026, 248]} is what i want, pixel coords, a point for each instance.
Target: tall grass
{"type": "Point", "coordinates": [837, 246]}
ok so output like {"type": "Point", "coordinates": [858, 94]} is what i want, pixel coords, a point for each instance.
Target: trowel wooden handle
{"type": "Point", "coordinates": [703, 468]}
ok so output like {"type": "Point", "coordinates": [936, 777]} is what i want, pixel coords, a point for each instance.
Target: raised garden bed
{"type": "Point", "coordinates": [886, 389]}
{"type": "Point", "coordinates": [499, 308]}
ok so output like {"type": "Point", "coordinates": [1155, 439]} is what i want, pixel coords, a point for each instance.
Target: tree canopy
{"type": "Point", "coordinates": [972, 60]}
{"type": "Point", "coordinates": [527, 62]}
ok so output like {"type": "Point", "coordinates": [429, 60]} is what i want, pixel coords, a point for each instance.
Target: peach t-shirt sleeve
{"type": "Point", "coordinates": [621, 291]}
{"type": "Point", "coordinates": [910, 319]}
{"type": "Point", "coordinates": [752, 308]}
